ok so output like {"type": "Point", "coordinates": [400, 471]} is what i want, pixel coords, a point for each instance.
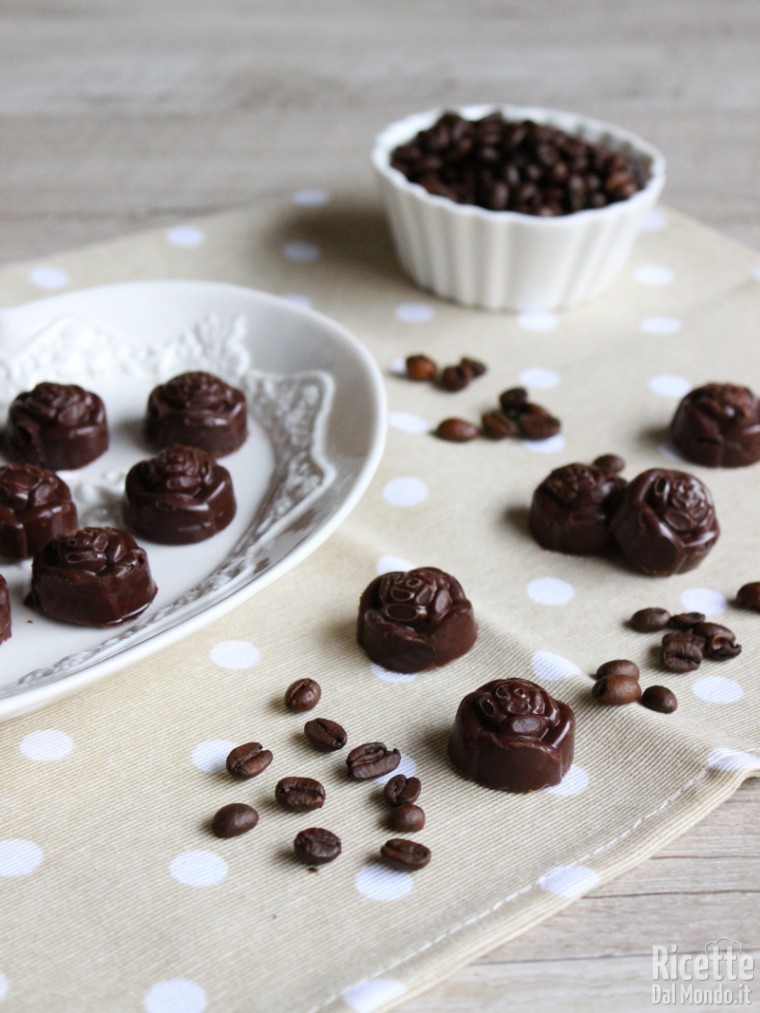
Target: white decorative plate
{"type": "Point", "coordinates": [317, 428]}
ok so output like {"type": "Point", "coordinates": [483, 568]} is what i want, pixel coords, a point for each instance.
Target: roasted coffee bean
{"type": "Point", "coordinates": [407, 856]}
{"type": "Point", "coordinates": [372, 759]}
{"type": "Point", "coordinates": [659, 698]}
{"type": "Point", "coordinates": [234, 819]}
{"type": "Point", "coordinates": [421, 367]}
{"type": "Point", "coordinates": [302, 695]}
{"type": "Point", "coordinates": [650, 620]}
{"type": "Point", "coordinates": [475, 366]}
{"type": "Point", "coordinates": [299, 794]}
{"type": "Point", "coordinates": [748, 596]}
{"type": "Point", "coordinates": [620, 666]}
{"type": "Point", "coordinates": [325, 735]}
{"type": "Point", "coordinates": [457, 431]}
{"type": "Point", "coordinates": [248, 760]}
{"type": "Point", "coordinates": [497, 425]}
{"type": "Point", "coordinates": [400, 789]}
{"type": "Point", "coordinates": [536, 423]}
{"type": "Point", "coordinates": [454, 378]}
{"type": "Point", "coordinates": [407, 818]}
{"type": "Point", "coordinates": [719, 641]}
{"type": "Point", "coordinates": [616, 690]}
{"type": "Point", "coordinates": [513, 401]}
{"type": "Point", "coordinates": [681, 651]}
{"type": "Point", "coordinates": [611, 463]}
{"type": "Point", "coordinates": [686, 620]}
{"type": "Point", "coordinates": [317, 846]}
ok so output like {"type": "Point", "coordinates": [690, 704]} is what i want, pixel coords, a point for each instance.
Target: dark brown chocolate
{"type": "Point", "coordinates": [571, 509]}
{"type": "Point", "coordinates": [412, 621]}
{"type": "Point", "coordinates": [180, 497]}
{"type": "Point", "coordinates": [198, 410]}
{"type": "Point", "coordinates": [5, 611]}
{"type": "Point", "coordinates": [513, 736]}
{"type": "Point", "coordinates": [95, 577]}
{"type": "Point", "coordinates": [666, 522]}
{"type": "Point", "coordinates": [718, 425]}
{"type": "Point", "coordinates": [57, 426]}
{"type": "Point", "coordinates": [35, 506]}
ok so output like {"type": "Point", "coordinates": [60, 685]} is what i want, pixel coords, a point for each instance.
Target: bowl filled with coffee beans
{"type": "Point", "coordinates": [514, 207]}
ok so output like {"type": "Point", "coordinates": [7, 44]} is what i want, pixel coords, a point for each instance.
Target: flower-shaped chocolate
{"type": "Point", "coordinates": [35, 506]}
{"type": "Point", "coordinates": [199, 410]}
{"type": "Point", "coordinates": [571, 509]}
{"type": "Point", "coordinates": [412, 621]}
{"type": "Point", "coordinates": [666, 522]}
{"type": "Point", "coordinates": [718, 425]}
{"type": "Point", "coordinates": [56, 425]}
{"type": "Point", "coordinates": [5, 611]}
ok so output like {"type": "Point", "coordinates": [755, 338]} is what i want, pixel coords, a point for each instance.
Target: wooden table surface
{"type": "Point", "coordinates": [116, 116]}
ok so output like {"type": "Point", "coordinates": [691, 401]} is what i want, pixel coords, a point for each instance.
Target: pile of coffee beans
{"type": "Point", "coordinates": [516, 416]}
{"type": "Point", "coordinates": [422, 369]}
{"type": "Point", "coordinates": [690, 638]}
{"type": "Point", "coordinates": [617, 684]}
{"type": "Point", "coordinates": [507, 165]}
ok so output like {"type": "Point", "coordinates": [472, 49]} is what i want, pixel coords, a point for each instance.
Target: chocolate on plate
{"type": "Point", "coordinates": [571, 509]}
{"type": "Point", "coordinates": [5, 611]}
{"type": "Point", "coordinates": [199, 410]}
{"type": "Point", "coordinates": [95, 577]}
{"type": "Point", "coordinates": [35, 506]}
{"type": "Point", "coordinates": [718, 425]}
{"type": "Point", "coordinates": [58, 426]}
{"type": "Point", "coordinates": [412, 621]}
{"type": "Point", "coordinates": [513, 736]}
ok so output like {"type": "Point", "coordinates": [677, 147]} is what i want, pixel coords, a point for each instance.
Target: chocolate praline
{"type": "Point", "coordinates": [35, 506]}
{"type": "Point", "coordinates": [666, 522]}
{"type": "Point", "coordinates": [513, 736]}
{"type": "Point", "coordinates": [718, 425]}
{"type": "Point", "coordinates": [571, 509]}
{"type": "Point", "coordinates": [56, 425]}
{"type": "Point", "coordinates": [197, 409]}
{"type": "Point", "coordinates": [412, 621]}
{"type": "Point", "coordinates": [179, 497]}
{"type": "Point", "coordinates": [5, 611]}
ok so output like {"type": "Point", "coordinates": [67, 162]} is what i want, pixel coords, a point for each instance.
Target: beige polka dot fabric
{"type": "Point", "coordinates": [114, 895]}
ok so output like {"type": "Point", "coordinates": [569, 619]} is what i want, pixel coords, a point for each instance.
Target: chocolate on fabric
{"type": "Point", "coordinates": [718, 425]}
{"type": "Point", "coordinates": [571, 509]}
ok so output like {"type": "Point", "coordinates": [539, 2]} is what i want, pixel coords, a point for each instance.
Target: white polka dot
{"type": "Point", "coordinates": [653, 274]}
{"type": "Point", "coordinates": [669, 452]}
{"type": "Point", "coordinates": [234, 654]}
{"type": "Point", "coordinates": [378, 882]}
{"type": "Point", "coordinates": [397, 367]}
{"type": "Point", "coordinates": [185, 236]}
{"type": "Point", "coordinates": [198, 868]}
{"type": "Point", "coordinates": [551, 445]}
{"type": "Point", "coordinates": [538, 377]}
{"type": "Point", "coordinates": [407, 767]}
{"type": "Point", "coordinates": [537, 320]}
{"type": "Point", "coordinates": [19, 857]}
{"type": "Point", "coordinates": [414, 312]}
{"type": "Point", "coordinates": [49, 277]}
{"type": "Point", "coordinates": [298, 300]}
{"type": "Point", "coordinates": [176, 995]}
{"type": "Point", "coordinates": [408, 423]}
{"type": "Point", "coordinates": [211, 755]}
{"type": "Point", "coordinates": [3, 986]}
{"type": "Point", "coordinates": [300, 251]}
{"type": "Point", "coordinates": [366, 996]}
{"type": "Point", "coordinates": [569, 880]}
{"type": "Point", "coordinates": [667, 385]}
{"type": "Point", "coordinates": [574, 782]}
{"type": "Point", "coordinates": [405, 492]}
{"type": "Point", "coordinates": [756, 273]}
{"type": "Point", "coordinates": [383, 673]}
{"type": "Point", "coordinates": [655, 221]}
{"type": "Point", "coordinates": [717, 689]}
{"type": "Point", "coordinates": [552, 667]}
{"type": "Point", "coordinates": [703, 599]}
{"type": "Point", "coordinates": [663, 325]}
{"type": "Point", "coordinates": [45, 745]}
{"type": "Point", "coordinates": [389, 564]}
{"type": "Point", "coordinates": [732, 759]}
{"type": "Point", "coordinates": [550, 591]}
{"type": "Point", "coordinates": [310, 197]}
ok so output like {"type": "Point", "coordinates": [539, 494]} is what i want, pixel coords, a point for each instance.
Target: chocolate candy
{"type": "Point", "coordinates": [198, 410]}
{"type": "Point", "coordinates": [95, 577]}
{"type": "Point", "coordinates": [58, 426]}
{"type": "Point", "coordinates": [180, 497]}
{"type": "Point", "coordinates": [718, 425]}
{"type": "Point", "coordinates": [410, 622]}
{"type": "Point", "coordinates": [5, 611]}
{"type": "Point", "coordinates": [665, 522]}
{"type": "Point", "coordinates": [513, 736]}
{"type": "Point", "coordinates": [35, 506]}
{"type": "Point", "coordinates": [571, 509]}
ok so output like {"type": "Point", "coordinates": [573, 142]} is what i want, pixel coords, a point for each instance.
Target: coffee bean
{"type": "Point", "coordinates": [748, 596]}
{"type": "Point", "coordinates": [719, 641]}
{"type": "Point", "coordinates": [248, 760]}
{"type": "Point", "coordinates": [536, 423]}
{"type": "Point", "coordinates": [372, 759]}
{"type": "Point", "coordinates": [454, 378]}
{"type": "Point", "coordinates": [407, 818]}
{"type": "Point", "coordinates": [325, 735]}
{"type": "Point", "coordinates": [659, 698]}
{"type": "Point", "coordinates": [317, 846]}
{"type": "Point", "coordinates": [302, 695]}
{"type": "Point", "coordinates": [400, 789]}
{"type": "Point", "coordinates": [681, 651]}
{"type": "Point", "coordinates": [650, 620]}
{"type": "Point", "coordinates": [497, 425]}
{"type": "Point", "coordinates": [421, 367]}
{"type": "Point", "coordinates": [611, 463]}
{"type": "Point", "coordinates": [299, 794]}
{"type": "Point", "coordinates": [404, 855]}
{"type": "Point", "coordinates": [233, 819]}
{"type": "Point", "coordinates": [457, 431]}
{"type": "Point", "coordinates": [618, 667]}
{"type": "Point", "coordinates": [686, 620]}
{"type": "Point", "coordinates": [616, 690]}
{"type": "Point", "coordinates": [513, 401]}
{"type": "Point", "coordinates": [475, 366]}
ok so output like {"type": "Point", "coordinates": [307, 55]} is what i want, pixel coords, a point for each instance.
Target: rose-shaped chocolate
{"type": "Point", "coordinates": [409, 622]}
{"type": "Point", "coordinates": [512, 735]}
{"type": "Point", "coordinates": [5, 611]}
{"type": "Point", "coordinates": [571, 509]}
{"type": "Point", "coordinates": [718, 425]}
{"type": "Point", "coordinates": [95, 577]}
{"type": "Point", "coordinates": [666, 522]}
{"type": "Point", "coordinates": [179, 497]}
{"type": "Point", "coordinates": [198, 410]}
{"type": "Point", "coordinates": [35, 506]}
{"type": "Point", "coordinates": [56, 425]}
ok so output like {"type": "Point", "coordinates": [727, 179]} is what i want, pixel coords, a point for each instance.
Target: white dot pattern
{"type": "Point", "coordinates": [551, 445]}
{"type": "Point", "coordinates": [46, 745]}
{"type": "Point", "coordinates": [378, 882]}
{"type": "Point", "coordinates": [732, 759]}
{"type": "Point", "coordinates": [704, 599]}
{"type": "Point", "coordinates": [234, 654]}
{"type": "Point", "coordinates": [569, 880]}
{"type": "Point", "coordinates": [655, 221]}
{"type": "Point", "coordinates": [406, 766]}
{"type": "Point", "coordinates": [409, 423]}
{"type": "Point", "coordinates": [397, 367]}
{"type": "Point", "coordinates": [551, 667]}
{"type": "Point", "coordinates": [656, 275]}
{"type": "Point", "coordinates": [367, 996]}
{"type": "Point", "coordinates": [667, 385]}
{"type": "Point", "coordinates": [550, 591]}
{"type": "Point", "coordinates": [198, 868]}
{"type": "Point", "coordinates": [175, 995]}
{"type": "Point", "coordinates": [661, 326]}
{"type": "Point", "coordinates": [537, 320]}
{"type": "Point", "coordinates": [405, 491]}
{"type": "Point", "coordinates": [186, 237]}
{"type": "Point", "coordinates": [301, 251]}
{"type": "Point", "coordinates": [669, 452]}
{"type": "Point", "coordinates": [414, 312]}
{"type": "Point", "coordinates": [310, 197]}
{"type": "Point", "coordinates": [298, 300]}
{"type": "Point", "coordinates": [539, 377]}
{"type": "Point", "coordinates": [387, 676]}
{"type": "Point", "coordinates": [211, 755]}
{"type": "Point", "coordinates": [49, 277]}
{"type": "Point", "coordinates": [19, 857]}
{"type": "Point", "coordinates": [717, 689]}
{"type": "Point", "coordinates": [389, 564]}
{"type": "Point", "coordinates": [573, 783]}
{"type": "Point", "coordinates": [3, 986]}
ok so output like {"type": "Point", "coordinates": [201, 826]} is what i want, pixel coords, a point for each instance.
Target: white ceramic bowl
{"type": "Point", "coordinates": [504, 260]}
